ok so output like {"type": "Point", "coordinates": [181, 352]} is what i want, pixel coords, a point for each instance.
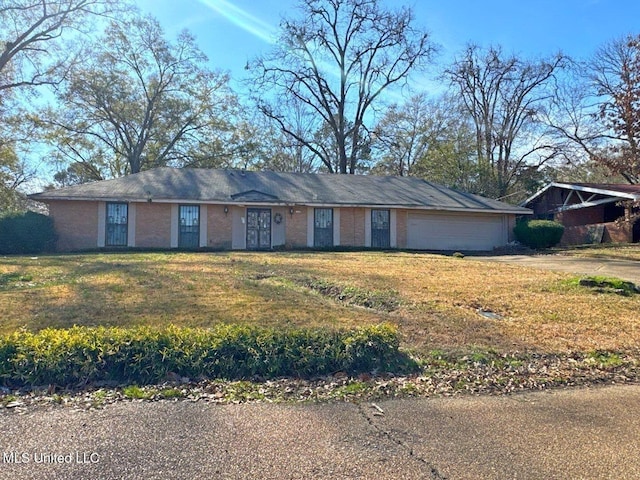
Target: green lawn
{"type": "Point", "coordinates": [434, 299]}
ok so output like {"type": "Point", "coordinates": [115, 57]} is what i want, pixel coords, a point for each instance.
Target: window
{"type": "Point", "coordinates": [380, 230]}
{"type": "Point", "coordinates": [189, 226]}
{"type": "Point", "coordinates": [117, 225]}
{"type": "Point", "coordinates": [323, 227]}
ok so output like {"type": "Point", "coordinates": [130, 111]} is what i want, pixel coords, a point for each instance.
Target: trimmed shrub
{"type": "Point", "coordinates": [28, 232]}
{"type": "Point", "coordinates": [144, 355]}
{"type": "Point", "coordinates": [538, 233]}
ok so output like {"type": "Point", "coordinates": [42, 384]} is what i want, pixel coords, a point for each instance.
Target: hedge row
{"type": "Point", "coordinates": [28, 232]}
{"type": "Point", "coordinates": [147, 355]}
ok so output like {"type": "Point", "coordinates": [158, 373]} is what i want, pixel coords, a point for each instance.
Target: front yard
{"type": "Point", "coordinates": [440, 303]}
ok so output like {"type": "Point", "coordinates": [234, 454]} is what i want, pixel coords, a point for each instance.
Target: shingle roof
{"type": "Point", "coordinates": [239, 187]}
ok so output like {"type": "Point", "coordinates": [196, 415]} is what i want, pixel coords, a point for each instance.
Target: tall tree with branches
{"type": "Point", "coordinates": [574, 123]}
{"type": "Point", "coordinates": [505, 96]}
{"type": "Point", "coordinates": [143, 100]}
{"type": "Point", "coordinates": [427, 137]}
{"type": "Point", "coordinates": [404, 134]}
{"type": "Point", "coordinates": [32, 32]}
{"type": "Point", "coordinates": [597, 111]}
{"type": "Point", "coordinates": [337, 59]}
{"type": "Point", "coordinates": [35, 51]}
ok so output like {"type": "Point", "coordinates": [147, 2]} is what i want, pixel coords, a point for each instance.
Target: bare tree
{"type": "Point", "coordinates": [615, 73]}
{"type": "Point", "coordinates": [35, 50]}
{"type": "Point", "coordinates": [596, 112]}
{"type": "Point", "coordinates": [285, 153]}
{"type": "Point", "coordinates": [504, 95]}
{"type": "Point", "coordinates": [78, 159]}
{"type": "Point", "coordinates": [573, 120]}
{"type": "Point", "coordinates": [145, 101]}
{"type": "Point", "coordinates": [336, 60]}
{"type": "Point", "coordinates": [295, 156]}
{"type": "Point", "coordinates": [281, 153]}
{"type": "Point", "coordinates": [31, 34]}
{"type": "Point", "coordinates": [406, 132]}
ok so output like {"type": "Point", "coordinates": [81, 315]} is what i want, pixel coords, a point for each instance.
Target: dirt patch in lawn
{"type": "Point", "coordinates": [382, 301]}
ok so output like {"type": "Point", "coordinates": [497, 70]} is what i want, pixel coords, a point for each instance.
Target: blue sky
{"type": "Point", "coordinates": [232, 32]}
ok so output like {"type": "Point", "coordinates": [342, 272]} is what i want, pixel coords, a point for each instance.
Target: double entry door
{"type": "Point", "coordinates": [258, 228]}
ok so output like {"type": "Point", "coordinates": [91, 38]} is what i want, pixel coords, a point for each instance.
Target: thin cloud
{"type": "Point", "coordinates": [241, 18]}
{"type": "Point", "coordinates": [269, 34]}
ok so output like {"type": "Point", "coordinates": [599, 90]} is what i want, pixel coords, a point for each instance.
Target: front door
{"type": "Point", "coordinates": [189, 233]}
{"type": "Point", "coordinates": [117, 225]}
{"type": "Point", "coordinates": [380, 229]}
{"type": "Point", "coordinates": [323, 227]}
{"type": "Point", "coordinates": [258, 228]}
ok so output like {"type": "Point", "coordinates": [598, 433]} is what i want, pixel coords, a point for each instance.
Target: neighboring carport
{"type": "Point", "coordinates": [590, 212]}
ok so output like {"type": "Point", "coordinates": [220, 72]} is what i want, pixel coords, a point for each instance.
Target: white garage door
{"type": "Point", "coordinates": [453, 231]}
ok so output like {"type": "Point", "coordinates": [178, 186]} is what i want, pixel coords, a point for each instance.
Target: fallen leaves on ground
{"type": "Point", "coordinates": [466, 376]}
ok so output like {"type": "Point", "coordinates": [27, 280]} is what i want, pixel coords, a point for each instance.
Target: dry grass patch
{"type": "Point", "coordinates": [155, 289]}
{"type": "Point", "coordinates": [442, 297]}
{"type": "Point", "coordinates": [439, 299]}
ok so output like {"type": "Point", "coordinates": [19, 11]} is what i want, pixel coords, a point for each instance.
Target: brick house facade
{"type": "Point", "coordinates": [170, 208]}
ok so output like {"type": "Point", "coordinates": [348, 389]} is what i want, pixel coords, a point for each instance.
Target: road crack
{"type": "Point", "coordinates": [433, 470]}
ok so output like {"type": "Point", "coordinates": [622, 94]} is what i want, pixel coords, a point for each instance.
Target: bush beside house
{"type": "Point", "coordinates": [28, 232]}
{"type": "Point", "coordinates": [538, 233]}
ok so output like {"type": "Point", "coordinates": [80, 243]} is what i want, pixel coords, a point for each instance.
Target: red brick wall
{"type": "Point", "coordinates": [581, 216]}
{"type": "Point", "coordinates": [352, 227]}
{"type": "Point", "coordinates": [612, 233]}
{"type": "Point", "coordinates": [153, 225]}
{"type": "Point", "coordinates": [618, 233]}
{"type": "Point", "coordinates": [296, 228]}
{"type": "Point", "coordinates": [219, 227]}
{"type": "Point", "coordinates": [76, 224]}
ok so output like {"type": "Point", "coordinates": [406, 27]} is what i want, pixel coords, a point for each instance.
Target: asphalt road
{"type": "Point", "coordinates": [579, 433]}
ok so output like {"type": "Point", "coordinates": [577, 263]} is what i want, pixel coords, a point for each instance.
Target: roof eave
{"type": "Point", "coordinates": [536, 195]}
{"type": "Point", "coordinates": [514, 211]}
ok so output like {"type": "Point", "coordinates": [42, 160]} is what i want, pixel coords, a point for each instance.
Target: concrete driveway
{"type": "Point", "coordinates": [580, 433]}
{"type": "Point", "coordinates": [624, 269]}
